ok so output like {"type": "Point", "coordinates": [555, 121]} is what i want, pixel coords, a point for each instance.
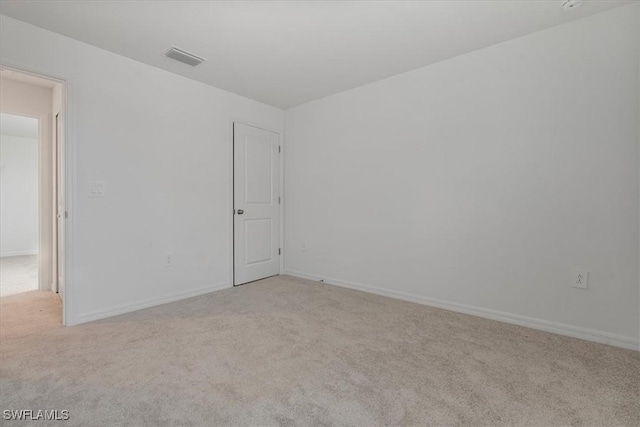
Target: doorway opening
{"type": "Point", "coordinates": [31, 202]}
{"type": "Point", "coordinates": [18, 204]}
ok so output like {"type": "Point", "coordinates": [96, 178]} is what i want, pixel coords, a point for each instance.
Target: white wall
{"type": "Point", "coordinates": [480, 182]}
{"type": "Point", "coordinates": [161, 144]}
{"type": "Point", "coordinates": [18, 195]}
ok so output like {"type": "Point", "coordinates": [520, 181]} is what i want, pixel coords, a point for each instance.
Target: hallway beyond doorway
{"type": "Point", "coordinates": [18, 274]}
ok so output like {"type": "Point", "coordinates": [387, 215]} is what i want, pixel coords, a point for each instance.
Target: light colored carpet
{"type": "Point", "coordinates": [285, 351]}
{"type": "Point", "coordinates": [18, 274]}
{"type": "Point", "coordinates": [29, 313]}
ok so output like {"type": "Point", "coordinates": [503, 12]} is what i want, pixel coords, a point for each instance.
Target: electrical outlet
{"type": "Point", "coordinates": [580, 279]}
{"type": "Point", "coordinates": [168, 260]}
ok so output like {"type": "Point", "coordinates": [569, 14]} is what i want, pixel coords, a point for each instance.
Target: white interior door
{"type": "Point", "coordinates": [256, 200]}
{"type": "Point", "coordinates": [60, 206]}
{"type": "Point", "coordinates": [54, 186]}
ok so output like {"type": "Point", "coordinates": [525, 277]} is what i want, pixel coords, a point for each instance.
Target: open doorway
{"type": "Point", "coordinates": [18, 204]}
{"type": "Point", "coordinates": [31, 201]}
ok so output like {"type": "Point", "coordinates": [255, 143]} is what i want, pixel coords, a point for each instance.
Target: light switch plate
{"type": "Point", "coordinates": [97, 189]}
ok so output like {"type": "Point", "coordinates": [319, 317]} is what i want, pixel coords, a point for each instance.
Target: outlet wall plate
{"type": "Point", "coordinates": [580, 279]}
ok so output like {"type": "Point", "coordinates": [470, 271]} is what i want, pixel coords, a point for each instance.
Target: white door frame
{"type": "Point", "coordinates": [69, 173]}
{"type": "Point", "coordinates": [231, 192]}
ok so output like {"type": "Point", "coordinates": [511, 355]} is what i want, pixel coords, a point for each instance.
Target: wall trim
{"type": "Point", "coordinates": [151, 302]}
{"type": "Point", "coordinates": [501, 316]}
{"type": "Point", "coordinates": [19, 253]}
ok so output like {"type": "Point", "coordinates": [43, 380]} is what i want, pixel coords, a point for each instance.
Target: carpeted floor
{"type": "Point", "coordinates": [29, 313]}
{"type": "Point", "coordinates": [18, 274]}
{"type": "Point", "coordinates": [285, 351]}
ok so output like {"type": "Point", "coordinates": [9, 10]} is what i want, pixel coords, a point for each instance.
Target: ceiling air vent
{"type": "Point", "coordinates": [184, 56]}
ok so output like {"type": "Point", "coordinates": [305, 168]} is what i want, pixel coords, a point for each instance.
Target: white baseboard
{"type": "Point", "coordinates": [19, 253]}
{"type": "Point", "coordinates": [152, 302]}
{"type": "Point", "coordinates": [515, 319]}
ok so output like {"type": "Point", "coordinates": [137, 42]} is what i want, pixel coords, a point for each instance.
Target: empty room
{"type": "Point", "coordinates": [337, 213]}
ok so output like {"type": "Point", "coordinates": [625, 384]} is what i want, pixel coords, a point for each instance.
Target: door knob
{"type": "Point", "coordinates": [240, 211]}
